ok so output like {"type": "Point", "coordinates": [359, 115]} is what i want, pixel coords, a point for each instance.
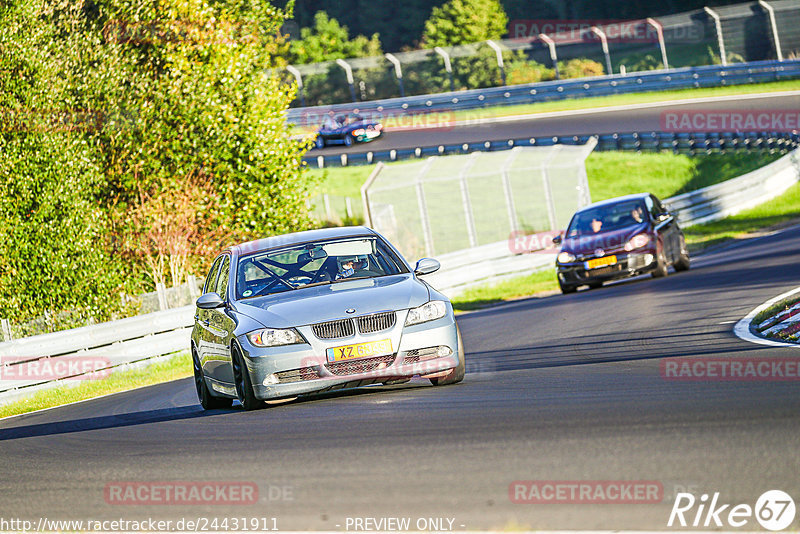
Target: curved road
{"type": "Point", "coordinates": [581, 122]}
{"type": "Point", "coordinates": [558, 388]}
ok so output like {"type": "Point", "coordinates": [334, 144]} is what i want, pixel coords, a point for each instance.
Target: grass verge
{"type": "Point", "coordinates": [512, 288]}
{"type": "Point", "coordinates": [774, 310]}
{"type": "Point", "coordinates": [177, 367]}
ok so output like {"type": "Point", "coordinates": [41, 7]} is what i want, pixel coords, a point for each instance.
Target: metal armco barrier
{"type": "Point", "coordinates": [678, 143]}
{"type": "Point", "coordinates": [737, 194]}
{"type": "Point", "coordinates": [113, 343]}
{"type": "Point", "coordinates": [635, 82]}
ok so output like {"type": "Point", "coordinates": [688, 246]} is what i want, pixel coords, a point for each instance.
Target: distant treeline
{"type": "Point", "coordinates": [400, 24]}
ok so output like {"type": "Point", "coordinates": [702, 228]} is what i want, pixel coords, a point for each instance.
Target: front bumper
{"type": "Point", "coordinates": [628, 264]}
{"type": "Point", "coordinates": [292, 370]}
{"type": "Point", "coordinates": [367, 137]}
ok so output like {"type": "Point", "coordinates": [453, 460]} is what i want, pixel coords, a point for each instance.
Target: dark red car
{"type": "Point", "coordinates": [618, 238]}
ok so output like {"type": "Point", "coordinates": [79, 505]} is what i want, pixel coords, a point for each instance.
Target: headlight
{"type": "Point", "coordinates": [430, 311]}
{"type": "Point", "coordinates": [566, 257]}
{"type": "Point", "coordinates": [360, 131]}
{"type": "Point", "coordinates": [273, 337]}
{"type": "Point", "coordinates": [637, 241]}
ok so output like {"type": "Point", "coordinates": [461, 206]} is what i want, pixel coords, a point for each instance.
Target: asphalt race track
{"type": "Point", "coordinates": [585, 122]}
{"type": "Point", "coordinates": [561, 388]}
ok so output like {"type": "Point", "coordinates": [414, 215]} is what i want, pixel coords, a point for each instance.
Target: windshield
{"type": "Point", "coordinates": [323, 262]}
{"type": "Point", "coordinates": [607, 218]}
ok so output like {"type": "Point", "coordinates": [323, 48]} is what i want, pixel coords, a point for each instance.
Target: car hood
{"type": "Point", "coordinates": [607, 241]}
{"type": "Point", "coordinates": [360, 124]}
{"type": "Point", "coordinates": [328, 302]}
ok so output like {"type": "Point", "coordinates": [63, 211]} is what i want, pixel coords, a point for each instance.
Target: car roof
{"type": "Point", "coordinates": [610, 201]}
{"type": "Point", "coordinates": [300, 237]}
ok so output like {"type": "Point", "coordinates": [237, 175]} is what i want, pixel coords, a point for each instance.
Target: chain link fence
{"type": "Point", "coordinates": [336, 210]}
{"type": "Point", "coordinates": [451, 203]}
{"type": "Point", "coordinates": [540, 50]}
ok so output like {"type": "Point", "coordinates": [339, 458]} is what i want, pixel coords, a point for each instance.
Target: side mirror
{"type": "Point", "coordinates": [210, 301]}
{"type": "Point", "coordinates": [426, 266]}
{"type": "Point", "coordinates": [557, 240]}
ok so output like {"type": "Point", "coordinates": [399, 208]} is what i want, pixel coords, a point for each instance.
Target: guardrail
{"type": "Point", "coordinates": [678, 143]}
{"type": "Point", "coordinates": [635, 82]}
{"type": "Point", "coordinates": [105, 345]}
{"type": "Point", "coordinates": [737, 194]}
{"type": "Point", "coordinates": [156, 334]}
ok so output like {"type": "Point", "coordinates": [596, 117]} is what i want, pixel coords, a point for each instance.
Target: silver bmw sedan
{"type": "Point", "coordinates": [317, 311]}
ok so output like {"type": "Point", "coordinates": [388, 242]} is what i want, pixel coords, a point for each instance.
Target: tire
{"type": "Point", "coordinates": [596, 285]}
{"type": "Point", "coordinates": [684, 262]}
{"type": "Point", "coordinates": [241, 378]}
{"type": "Point", "coordinates": [207, 400]}
{"type": "Point", "coordinates": [320, 142]}
{"type": "Point", "coordinates": [566, 288]}
{"type": "Point", "coordinates": [457, 374]}
{"type": "Point", "coordinates": [348, 140]}
{"type": "Point", "coordinates": [661, 265]}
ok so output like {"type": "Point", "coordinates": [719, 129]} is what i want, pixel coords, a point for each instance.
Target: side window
{"type": "Point", "coordinates": [222, 281]}
{"type": "Point", "coordinates": [652, 207]}
{"type": "Point", "coordinates": [211, 279]}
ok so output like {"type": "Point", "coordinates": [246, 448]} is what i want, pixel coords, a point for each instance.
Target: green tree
{"type": "Point", "coordinates": [116, 105]}
{"type": "Point", "coordinates": [328, 40]}
{"type": "Point", "coordinates": [465, 21]}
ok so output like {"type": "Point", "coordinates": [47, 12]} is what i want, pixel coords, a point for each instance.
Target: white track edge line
{"type": "Point", "coordinates": [742, 328]}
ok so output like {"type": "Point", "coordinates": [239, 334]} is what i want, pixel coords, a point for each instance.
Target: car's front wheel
{"type": "Point", "coordinates": [241, 378]}
{"type": "Point", "coordinates": [567, 288]}
{"type": "Point", "coordinates": [348, 140]}
{"type": "Point", "coordinates": [207, 401]}
{"type": "Point", "coordinates": [320, 142]}
{"type": "Point", "coordinates": [457, 374]}
{"type": "Point", "coordinates": [683, 262]}
{"type": "Point", "coordinates": [661, 265]}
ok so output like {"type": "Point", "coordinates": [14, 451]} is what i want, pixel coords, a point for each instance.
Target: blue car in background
{"type": "Point", "coordinates": [347, 130]}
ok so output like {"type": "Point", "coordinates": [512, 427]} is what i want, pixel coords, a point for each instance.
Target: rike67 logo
{"type": "Point", "coordinates": [774, 510]}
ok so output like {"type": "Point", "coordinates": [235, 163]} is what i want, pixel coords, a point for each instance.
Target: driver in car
{"type": "Point", "coordinates": [349, 266]}
{"type": "Point", "coordinates": [637, 214]}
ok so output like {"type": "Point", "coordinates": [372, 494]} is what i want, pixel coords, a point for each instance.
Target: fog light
{"type": "Point", "coordinates": [271, 379]}
{"type": "Point", "coordinates": [443, 351]}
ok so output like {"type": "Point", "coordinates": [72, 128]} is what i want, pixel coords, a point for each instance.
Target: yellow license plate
{"type": "Point", "coordinates": [360, 350]}
{"type": "Point", "coordinates": [601, 262]}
